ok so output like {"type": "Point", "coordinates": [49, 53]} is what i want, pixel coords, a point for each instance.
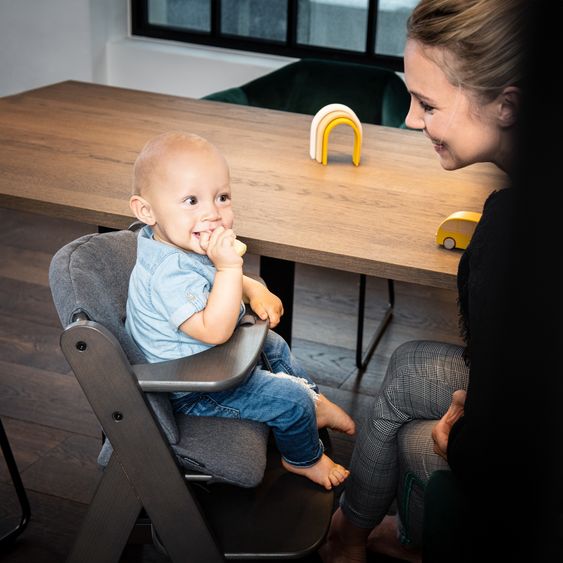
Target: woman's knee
{"type": "Point", "coordinates": [411, 358]}
{"type": "Point", "coordinates": [420, 379]}
{"type": "Point", "coordinates": [420, 361]}
{"type": "Point", "coordinates": [403, 376]}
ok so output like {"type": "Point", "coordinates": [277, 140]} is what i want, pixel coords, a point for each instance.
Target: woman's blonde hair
{"type": "Point", "coordinates": [481, 41]}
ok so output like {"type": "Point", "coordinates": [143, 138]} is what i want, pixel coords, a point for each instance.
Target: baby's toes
{"type": "Point", "coordinates": [338, 475]}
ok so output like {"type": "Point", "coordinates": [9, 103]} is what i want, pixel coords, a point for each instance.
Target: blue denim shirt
{"type": "Point", "coordinates": [167, 286]}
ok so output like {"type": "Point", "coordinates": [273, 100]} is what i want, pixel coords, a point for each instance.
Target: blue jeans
{"type": "Point", "coordinates": [283, 398]}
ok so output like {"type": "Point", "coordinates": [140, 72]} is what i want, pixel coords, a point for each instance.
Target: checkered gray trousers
{"type": "Point", "coordinates": [393, 456]}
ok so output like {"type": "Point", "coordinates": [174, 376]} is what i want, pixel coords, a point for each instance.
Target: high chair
{"type": "Point", "coordinates": [208, 488]}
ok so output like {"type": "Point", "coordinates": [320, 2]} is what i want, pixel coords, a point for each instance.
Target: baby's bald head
{"type": "Point", "coordinates": [150, 165]}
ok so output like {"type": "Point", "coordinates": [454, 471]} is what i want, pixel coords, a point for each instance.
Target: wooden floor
{"type": "Point", "coordinates": [53, 433]}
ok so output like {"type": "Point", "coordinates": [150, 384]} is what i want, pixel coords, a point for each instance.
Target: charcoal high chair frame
{"type": "Point", "coordinates": [196, 512]}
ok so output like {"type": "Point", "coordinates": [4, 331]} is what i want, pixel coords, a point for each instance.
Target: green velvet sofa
{"type": "Point", "coordinates": [375, 95]}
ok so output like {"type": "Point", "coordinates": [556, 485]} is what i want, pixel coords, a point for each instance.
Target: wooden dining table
{"type": "Point", "coordinates": [67, 150]}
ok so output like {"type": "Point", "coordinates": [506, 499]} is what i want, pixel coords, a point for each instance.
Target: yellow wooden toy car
{"type": "Point", "coordinates": [456, 230]}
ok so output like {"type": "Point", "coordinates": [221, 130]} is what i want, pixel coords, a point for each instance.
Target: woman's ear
{"type": "Point", "coordinates": [509, 106]}
{"type": "Point", "coordinates": [142, 209]}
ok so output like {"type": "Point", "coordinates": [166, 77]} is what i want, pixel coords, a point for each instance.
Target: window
{"type": "Point", "coordinates": [369, 31]}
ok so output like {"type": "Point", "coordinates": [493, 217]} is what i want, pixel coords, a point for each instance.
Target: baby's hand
{"type": "Point", "coordinates": [266, 305]}
{"type": "Point", "coordinates": [219, 247]}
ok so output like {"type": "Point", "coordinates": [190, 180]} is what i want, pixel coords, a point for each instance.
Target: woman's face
{"type": "Point", "coordinates": [461, 131]}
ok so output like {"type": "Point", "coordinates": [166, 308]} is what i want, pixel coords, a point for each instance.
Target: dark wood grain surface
{"type": "Point", "coordinates": [68, 150]}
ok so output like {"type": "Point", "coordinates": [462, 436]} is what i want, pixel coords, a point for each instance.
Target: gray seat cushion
{"type": "Point", "coordinates": [91, 275]}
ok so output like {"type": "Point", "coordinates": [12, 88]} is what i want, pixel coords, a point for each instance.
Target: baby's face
{"type": "Point", "coordinates": [193, 196]}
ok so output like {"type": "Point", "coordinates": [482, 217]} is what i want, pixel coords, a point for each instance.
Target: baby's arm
{"type": "Point", "coordinates": [262, 301]}
{"type": "Point", "coordinates": [217, 321]}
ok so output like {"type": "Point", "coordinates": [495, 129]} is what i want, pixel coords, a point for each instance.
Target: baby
{"type": "Point", "coordinates": [187, 293]}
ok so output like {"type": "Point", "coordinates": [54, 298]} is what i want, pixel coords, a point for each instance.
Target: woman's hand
{"type": "Point", "coordinates": [262, 301]}
{"type": "Point", "coordinates": [441, 431]}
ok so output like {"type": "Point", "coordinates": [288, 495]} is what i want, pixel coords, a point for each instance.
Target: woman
{"type": "Point", "coordinates": [463, 69]}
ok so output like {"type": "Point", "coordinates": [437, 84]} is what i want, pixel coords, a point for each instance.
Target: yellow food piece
{"type": "Point", "coordinates": [240, 247]}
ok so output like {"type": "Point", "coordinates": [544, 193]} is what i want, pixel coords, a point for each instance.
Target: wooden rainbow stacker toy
{"type": "Point", "coordinates": [325, 120]}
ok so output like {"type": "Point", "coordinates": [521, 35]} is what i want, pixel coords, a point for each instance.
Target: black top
{"type": "Point", "coordinates": [482, 290]}
{"type": "Point", "coordinates": [480, 262]}
{"type": "Point", "coordinates": [504, 449]}
{"type": "Point", "coordinates": [481, 440]}
{"type": "Point", "coordinates": [507, 449]}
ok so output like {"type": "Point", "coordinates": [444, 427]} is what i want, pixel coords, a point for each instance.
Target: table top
{"type": "Point", "coordinates": [68, 150]}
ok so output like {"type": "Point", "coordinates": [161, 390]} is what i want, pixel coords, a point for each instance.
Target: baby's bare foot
{"type": "Point", "coordinates": [325, 472]}
{"type": "Point", "coordinates": [330, 415]}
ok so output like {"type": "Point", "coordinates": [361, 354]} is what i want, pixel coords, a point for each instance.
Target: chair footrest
{"type": "Point", "coordinates": [262, 522]}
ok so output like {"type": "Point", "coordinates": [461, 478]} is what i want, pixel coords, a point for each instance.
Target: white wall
{"type": "Point", "coordinates": [182, 69]}
{"type": "Point", "coordinates": [109, 20]}
{"type": "Point", "coordinates": [42, 42]}
{"type": "Point", "coordinates": [46, 41]}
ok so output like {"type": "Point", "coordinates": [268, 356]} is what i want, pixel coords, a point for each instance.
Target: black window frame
{"type": "Point", "coordinates": [140, 26]}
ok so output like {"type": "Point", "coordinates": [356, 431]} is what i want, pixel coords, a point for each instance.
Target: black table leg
{"type": "Point", "coordinates": [362, 359]}
{"type": "Point", "coordinates": [279, 276]}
